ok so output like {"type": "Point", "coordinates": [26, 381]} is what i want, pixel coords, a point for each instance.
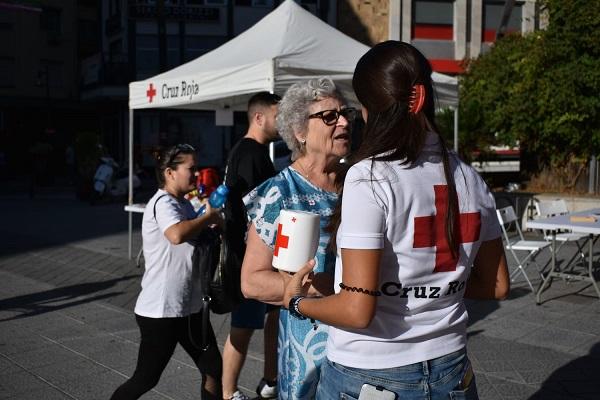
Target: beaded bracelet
{"type": "Point", "coordinates": [293, 307]}
{"type": "Point", "coordinates": [360, 290]}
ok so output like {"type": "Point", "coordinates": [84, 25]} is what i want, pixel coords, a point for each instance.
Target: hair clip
{"type": "Point", "coordinates": [416, 99]}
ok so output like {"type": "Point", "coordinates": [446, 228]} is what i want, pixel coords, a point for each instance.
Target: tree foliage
{"type": "Point", "coordinates": [540, 90]}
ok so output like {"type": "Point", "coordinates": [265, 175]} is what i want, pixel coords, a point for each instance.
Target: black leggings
{"type": "Point", "coordinates": [159, 338]}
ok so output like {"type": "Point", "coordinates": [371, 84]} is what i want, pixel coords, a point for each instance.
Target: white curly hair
{"type": "Point", "coordinates": [293, 109]}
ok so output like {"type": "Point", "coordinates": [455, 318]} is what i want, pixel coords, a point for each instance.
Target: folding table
{"type": "Point", "coordinates": [134, 208]}
{"type": "Point", "coordinates": [590, 227]}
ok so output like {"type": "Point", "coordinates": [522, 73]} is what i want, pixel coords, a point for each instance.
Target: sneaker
{"type": "Point", "coordinates": [239, 396]}
{"type": "Point", "coordinates": [266, 390]}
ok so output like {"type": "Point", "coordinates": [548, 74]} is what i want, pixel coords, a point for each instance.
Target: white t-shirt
{"type": "Point", "coordinates": [168, 288]}
{"type": "Point", "coordinates": [420, 314]}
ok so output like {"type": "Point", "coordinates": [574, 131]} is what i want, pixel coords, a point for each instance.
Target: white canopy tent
{"type": "Point", "coordinates": [288, 45]}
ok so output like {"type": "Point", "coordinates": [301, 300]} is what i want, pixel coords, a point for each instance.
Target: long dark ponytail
{"type": "Point", "coordinates": [384, 80]}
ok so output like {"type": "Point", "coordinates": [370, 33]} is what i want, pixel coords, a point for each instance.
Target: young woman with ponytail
{"type": "Point", "coordinates": [415, 233]}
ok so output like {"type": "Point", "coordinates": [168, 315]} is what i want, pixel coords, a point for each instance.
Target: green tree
{"type": "Point", "coordinates": [540, 90]}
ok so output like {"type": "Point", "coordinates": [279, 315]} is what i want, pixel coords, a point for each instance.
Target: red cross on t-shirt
{"type": "Point", "coordinates": [430, 231]}
{"type": "Point", "coordinates": [281, 241]}
{"type": "Point", "coordinates": [151, 92]}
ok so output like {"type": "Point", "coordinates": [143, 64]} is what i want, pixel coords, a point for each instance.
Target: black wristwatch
{"type": "Point", "coordinates": [293, 307]}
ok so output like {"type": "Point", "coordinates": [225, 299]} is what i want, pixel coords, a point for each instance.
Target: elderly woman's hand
{"type": "Point", "coordinates": [299, 283]}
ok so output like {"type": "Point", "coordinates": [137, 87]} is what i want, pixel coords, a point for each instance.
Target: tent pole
{"type": "Point", "coordinates": [272, 90]}
{"type": "Point", "coordinates": [456, 129]}
{"type": "Point", "coordinates": [130, 196]}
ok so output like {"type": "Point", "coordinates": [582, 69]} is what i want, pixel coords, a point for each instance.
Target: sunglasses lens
{"type": "Point", "coordinates": [330, 117]}
{"type": "Point", "coordinates": [349, 114]}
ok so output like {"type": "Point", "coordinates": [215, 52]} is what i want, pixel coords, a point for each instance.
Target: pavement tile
{"type": "Point", "coordinates": [500, 369]}
{"type": "Point", "coordinates": [106, 349]}
{"type": "Point", "coordinates": [511, 390]}
{"type": "Point", "coordinates": [7, 367]}
{"type": "Point", "coordinates": [58, 373]}
{"type": "Point", "coordinates": [542, 315]}
{"type": "Point", "coordinates": [509, 329]}
{"type": "Point", "coordinates": [485, 389]}
{"type": "Point", "coordinates": [22, 344]}
{"type": "Point", "coordinates": [579, 322]}
{"type": "Point", "coordinates": [48, 355]}
{"type": "Point", "coordinates": [554, 338]}
{"type": "Point", "coordinates": [591, 348]}
{"type": "Point", "coordinates": [19, 382]}
{"type": "Point", "coordinates": [47, 393]}
{"type": "Point", "coordinates": [533, 377]}
{"type": "Point", "coordinates": [98, 386]}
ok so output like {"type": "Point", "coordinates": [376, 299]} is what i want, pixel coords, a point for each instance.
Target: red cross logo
{"type": "Point", "coordinates": [430, 231]}
{"type": "Point", "coordinates": [151, 92]}
{"type": "Point", "coordinates": [293, 219]}
{"type": "Point", "coordinates": [281, 241]}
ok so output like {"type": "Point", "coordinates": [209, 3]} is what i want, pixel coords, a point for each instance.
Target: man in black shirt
{"type": "Point", "coordinates": [248, 166]}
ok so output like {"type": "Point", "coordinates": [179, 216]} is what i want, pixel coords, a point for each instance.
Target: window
{"type": "Point", "coordinates": [262, 3]}
{"type": "Point", "coordinates": [146, 56]}
{"type": "Point", "coordinates": [6, 21]}
{"type": "Point", "coordinates": [173, 51]}
{"type": "Point", "coordinates": [51, 74]}
{"type": "Point", "coordinates": [7, 72]}
{"type": "Point", "coordinates": [114, 7]}
{"type": "Point", "coordinates": [50, 20]}
{"type": "Point", "coordinates": [433, 20]}
{"type": "Point", "coordinates": [115, 49]}
{"type": "Point", "coordinates": [492, 15]}
{"type": "Point", "coordinates": [195, 46]}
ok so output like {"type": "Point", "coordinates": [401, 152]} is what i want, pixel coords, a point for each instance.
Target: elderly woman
{"type": "Point", "coordinates": [315, 123]}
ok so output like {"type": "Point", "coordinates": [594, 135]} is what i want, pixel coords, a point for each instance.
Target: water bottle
{"type": "Point", "coordinates": [216, 199]}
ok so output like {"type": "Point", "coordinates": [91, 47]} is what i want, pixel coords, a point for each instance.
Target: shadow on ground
{"type": "Point", "coordinates": [576, 380]}
{"type": "Point", "coordinates": [59, 298]}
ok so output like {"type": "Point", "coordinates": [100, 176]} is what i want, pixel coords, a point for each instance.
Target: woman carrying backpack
{"type": "Point", "coordinates": [169, 308]}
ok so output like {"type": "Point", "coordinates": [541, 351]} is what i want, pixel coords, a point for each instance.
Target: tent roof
{"type": "Point", "coordinates": [287, 45]}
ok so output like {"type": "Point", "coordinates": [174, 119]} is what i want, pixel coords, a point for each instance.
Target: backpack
{"type": "Point", "coordinates": [219, 266]}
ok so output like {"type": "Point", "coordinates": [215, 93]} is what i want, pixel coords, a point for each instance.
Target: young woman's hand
{"type": "Point", "coordinates": [299, 283]}
{"type": "Point", "coordinates": [213, 216]}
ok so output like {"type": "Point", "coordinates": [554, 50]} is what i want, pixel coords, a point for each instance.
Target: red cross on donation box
{"type": "Point", "coordinates": [151, 92]}
{"type": "Point", "coordinates": [282, 241]}
{"type": "Point", "coordinates": [430, 231]}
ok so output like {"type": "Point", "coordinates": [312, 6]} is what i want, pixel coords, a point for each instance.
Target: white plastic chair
{"type": "Point", "coordinates": [507, 216]}
{"type": "Point", "coordinates": [550, 208]}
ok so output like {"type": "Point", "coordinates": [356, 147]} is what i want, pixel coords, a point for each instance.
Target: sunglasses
{"type": "Point", "coordinates": [331, 117]}
{"type": "Point", "coordinates": [180, 148]}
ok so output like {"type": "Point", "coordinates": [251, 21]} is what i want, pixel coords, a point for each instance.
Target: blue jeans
{"type": "Point", "coordinates": [439, 378]}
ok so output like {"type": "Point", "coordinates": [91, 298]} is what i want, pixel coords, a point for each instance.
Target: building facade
{"type": "Point", "coordinates": [446, 31]}
{"type": "Point", "coordinates": [41, 45]}
{"type": "Point", "coordinates": [142, 38]}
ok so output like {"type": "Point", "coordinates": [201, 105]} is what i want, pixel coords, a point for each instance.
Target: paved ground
{"type": "Point", "coordinates": [67, 329]}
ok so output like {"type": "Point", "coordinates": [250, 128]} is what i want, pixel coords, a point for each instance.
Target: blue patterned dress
{"type": "Point", "coordinates": [301, 348]}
